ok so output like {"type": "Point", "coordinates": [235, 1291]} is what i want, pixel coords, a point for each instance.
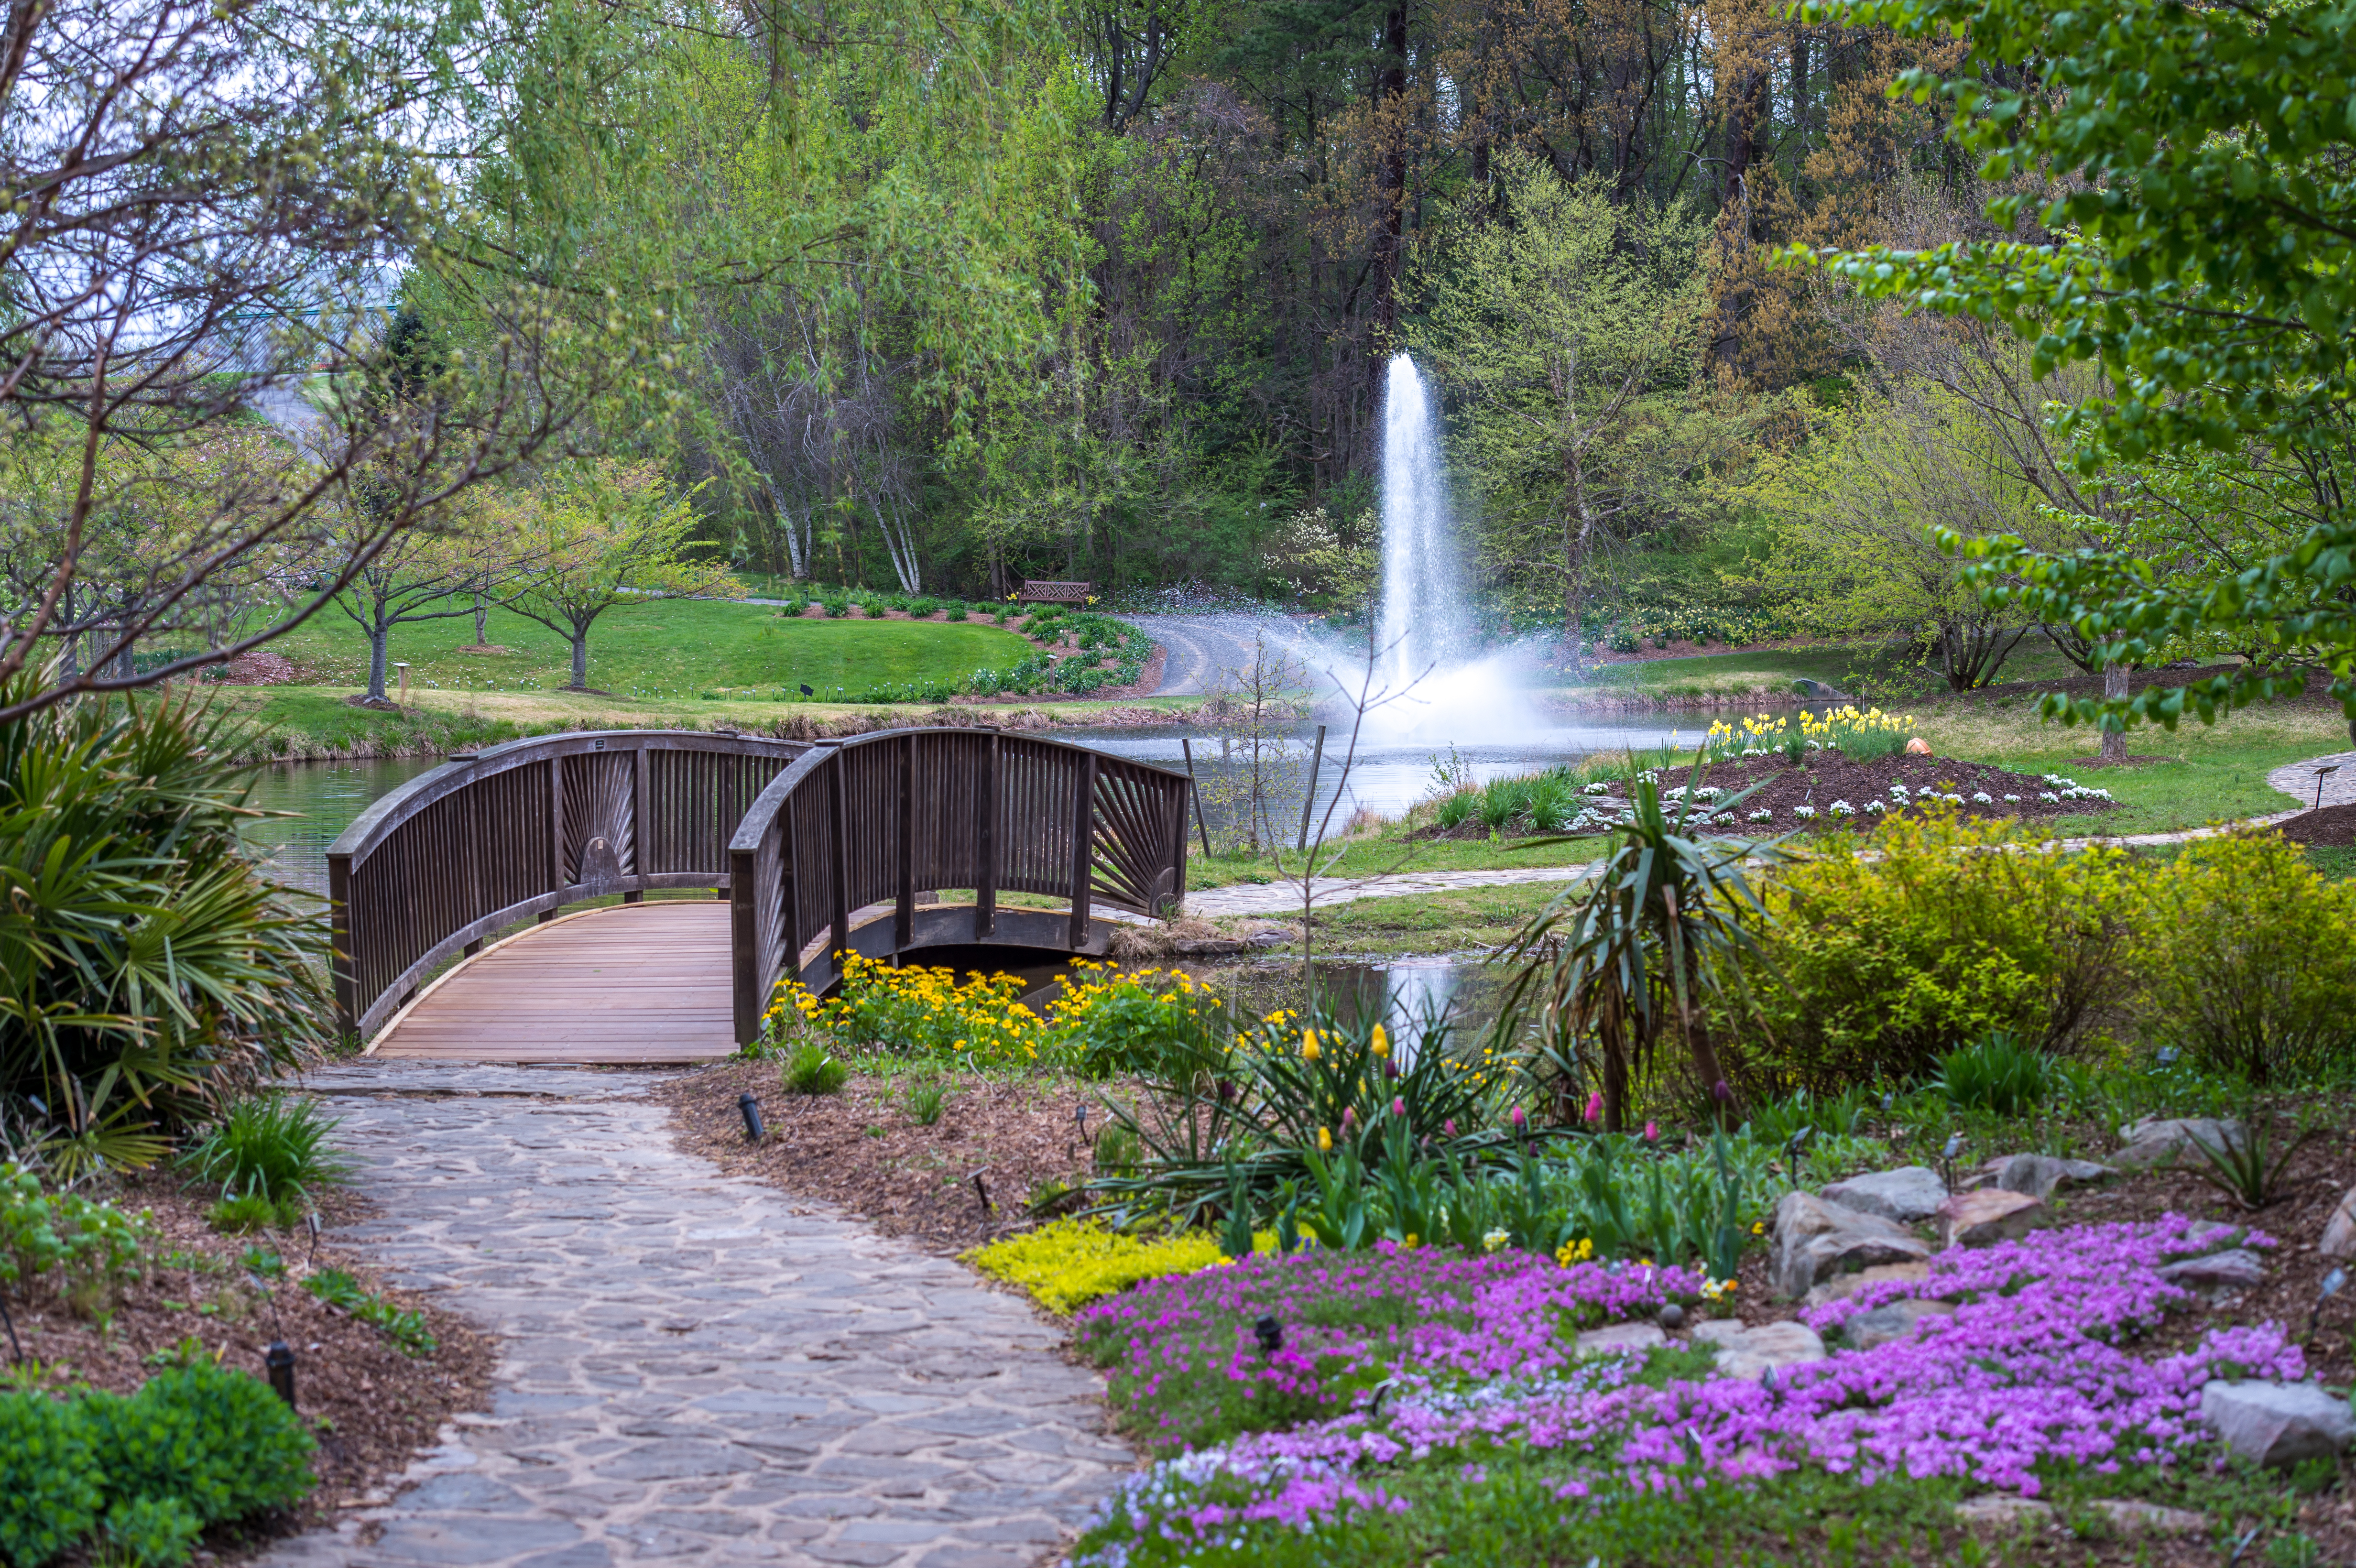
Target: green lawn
{"type": "Point", "coordinates": [1768, 674]}
{"type": "Point", "coordinates": [673, 648]}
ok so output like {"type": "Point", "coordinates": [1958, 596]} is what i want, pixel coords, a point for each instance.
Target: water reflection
{"type": "Point", "coordinates": [328, 797]}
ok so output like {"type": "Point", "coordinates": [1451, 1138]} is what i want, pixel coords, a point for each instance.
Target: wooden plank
{"type": "Point", "coordinates": [646, 982]}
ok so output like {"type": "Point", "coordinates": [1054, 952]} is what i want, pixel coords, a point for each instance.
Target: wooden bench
{"type": "Point", "coordinates": [1039, 591]}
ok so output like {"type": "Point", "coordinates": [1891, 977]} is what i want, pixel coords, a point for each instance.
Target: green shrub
{"type": "Point", "coordinates": [93, 1247]}
{"type": "Point", "coordinates": [218, 1440]}
{"type": "Point", "coordinates": [1995, 1073]}
{"type": "Point", "coordinates": [251, 1211]}
{"type": "Point", "coordinates": [925, 1100]}
{"type": "Point", "coordinates": [812, 1070]}
{"type": "Point", "coordinates": [158, 965]}
{"type": "Point", "coordinates": [958, 612]}
{"type": "Point", "coordinates": [273, 1145]}
{"type": "Point", "coordinates": [151, 1532]}
{"type": "Point", "coordinates": [1073, 1262]}
{"type": "Point", "coordinates": [921, 608]}
{"type": "Point", "coordinates": [49, 1495]}
{"type": "Point", "coordinates": [1879, 958]}
{"type": "Point", "coordinates": [836, 605]}
{"type": "Point", "coordinates": [1455, 810]}
{"type": "Point", "coordinates": [2248, 958]}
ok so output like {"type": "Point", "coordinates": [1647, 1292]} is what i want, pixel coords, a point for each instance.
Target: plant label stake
{"type": "Point", "coordinates": [311, 1224]}
{"type": "Point", "coordinates": [2332, 1282]}
{"type": "Point", "coordinates": [1947, 1158]}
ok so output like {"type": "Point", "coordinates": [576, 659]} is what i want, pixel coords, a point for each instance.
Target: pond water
{"type": "Point", "coordinates": [327, 796]}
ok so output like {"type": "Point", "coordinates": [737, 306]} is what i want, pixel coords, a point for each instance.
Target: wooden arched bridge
{"type": "Point", "coordinates": [450, 894]}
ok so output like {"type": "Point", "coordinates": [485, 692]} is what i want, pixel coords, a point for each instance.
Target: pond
{"type": "Point", "coordinates": [327, 796]}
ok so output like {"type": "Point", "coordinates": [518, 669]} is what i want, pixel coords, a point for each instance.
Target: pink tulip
{"type": "Point", "coordinates": [1349, 1117]}
{"type": "Point", "coordinates": [1652, 1132]}
{"type": "Point", "coordinates": [1595, 1107]}
{"type": "Point", "coordinates": [1519, 1118]}
{"type": "Point", "coordinates": [1398, 1106]}
{"type": "Point", "coordinates": [1449, 1127]}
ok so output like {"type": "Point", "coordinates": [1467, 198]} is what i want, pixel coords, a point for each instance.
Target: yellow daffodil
{"type": "Point", "coordinates": [1309, 1051]}
{"type": "Point", "coordinates": [1325, 1141]}
{"type": "Point", "coordinates": [1381, 1043]}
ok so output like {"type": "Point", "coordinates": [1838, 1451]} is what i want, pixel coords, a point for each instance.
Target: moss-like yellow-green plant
{"type": "Point", "coordinates": [1073, 1261]}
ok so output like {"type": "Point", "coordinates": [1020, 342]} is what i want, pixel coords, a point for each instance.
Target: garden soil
{"type": "Point", "coordinates": [372, 1408]}
{"type": "Point", "coordinates": [2334, 827]}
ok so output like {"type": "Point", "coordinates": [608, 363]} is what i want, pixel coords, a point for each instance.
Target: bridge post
{"type": "Point", "coordinates": [904, 912]}
{"type": "Point", "coordinates": [985, 831]}
{"type": "Point", "coordinates": [1084, 794]}
{"type": "Point", "coordinates": [839, 926]}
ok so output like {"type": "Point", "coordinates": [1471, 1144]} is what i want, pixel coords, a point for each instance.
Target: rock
{"type": "Point", "coordinates": [1207, 946]}
{"type": "Point", "coordinates": [2040, 1175]}
{"type": "Point", "coordinates": [1985, 1218]}
{"type": "Point", "coordinates": [1752, 1353]}
{"type": "Point", "coordinates": [2151, 1142]}
{"type": "Point", "coordinates": [2277, 1424]}
{"type": "Point", "coordinates": [1843, 1286]}
{"type": "Point", "coordinates": [1909, 1195]}
{"type": "Point", "coordinates": [1621, 1338]}
{"type": "Point", "coordinates": [2132, 1514]}
{"type": "Point", "coordinates": [2002, 1510]}
{"type": "Point", "coordinates": [2235, 1269]}
{"type": "Point", "coordinates": [1814, 1240]}
{"type": "Point", "coordinates": [1892, 1320]}
{"type": "Point", "coordinates": [2339, 1231]}
{"type": "Point", "coordinates": [1918, 747]}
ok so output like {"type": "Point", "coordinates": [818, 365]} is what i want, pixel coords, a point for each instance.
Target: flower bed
{"type": "Point", "coordinates": [2031, 1377]}
{"type": "Point", "coordinates": [1807, 793]}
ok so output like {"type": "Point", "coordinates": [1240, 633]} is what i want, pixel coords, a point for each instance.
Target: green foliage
{"type": "Point", "coordinates": [148, 965]}
{"type": "Point", "coordinates": [956, 613]}
{"type": "Point", "coordinates": [1875, 963]}
{"type": "Point", "coordinates": [218, 1440]}
{"type": "Point", "coordinates": [273, 1145]}
{"type": "Point", "coordinates": [1997, 1074]}
{"type": "Point", "coordinates": [2248, 959]}
{"type": "Point", "coordinates": [2197, 164]}
{"type": "Point", "coordinates": [812, 1070]}
{"type": "Point", "coordinates": [149, 1532]}
{"type": "Point", "coordinates": [93, 1247]}
{"type": "Point", "coordinates": [923, 608]}
{"type": "Point", "coordinates": [50, 1490]}
{"type": "Point", "coordinates": [2243, 1170]}
{"type": "Point", "coordinates": [925, 1100]}
{"type": "Point", "coordinates": [1455, 810]}
{"type": "Point", "coordinates": [406, 1328]}
{"type": "Point", "coordinates": [251, 1211]}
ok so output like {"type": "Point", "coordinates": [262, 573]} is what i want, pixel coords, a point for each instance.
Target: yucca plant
{"type": "Point", "coordinates": [1606, 973]}
{"type": "Point", "coordinates": [148, 970]}
{"type": "Point", "coordinates": [2242, 1170]}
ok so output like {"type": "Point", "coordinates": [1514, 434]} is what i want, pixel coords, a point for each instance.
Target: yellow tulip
{"type": "Point", "coordinates": [1309, 1051]}
{"type": "Point", "coordinates": [1382, 1041]}
{"type": "Point", "coordinates": [1325, 1141]}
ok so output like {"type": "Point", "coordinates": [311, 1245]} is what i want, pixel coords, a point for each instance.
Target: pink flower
{"type": "Point", "coordinates": [1595, 1107]}
{"type": "Point", "coordinates": [1449, 1127]}
{"type": "Point", "coordinates": [1518, 1119]}
{"type": "Point", "coordinates": [1652, 1132]}
{"type": "Point", "coordinates": [1398, 1106]}
{"type": "Point", "coordinates": [1349, 1117]}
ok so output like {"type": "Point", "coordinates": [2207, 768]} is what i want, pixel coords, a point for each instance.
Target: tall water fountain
{"type": "Point", "coordinates": [1423, 640]}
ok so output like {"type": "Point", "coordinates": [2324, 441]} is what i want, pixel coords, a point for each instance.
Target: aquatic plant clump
{"type": "Point", "coordinates": [2034, 1367]}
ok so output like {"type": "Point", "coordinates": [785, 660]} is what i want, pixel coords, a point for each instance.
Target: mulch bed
{"type": "Point", "coordinates": [860, 1149]}
{"type": "Point", "coordinates": [372, 1408]}
{"type": "Point", "coordinates": [2334, 826]}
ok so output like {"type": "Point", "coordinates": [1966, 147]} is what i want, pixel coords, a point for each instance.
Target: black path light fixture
{"type": "Point", "coordinates": [754, 1131]}
{"type": "Point", "coordinates": [2320, 774]}
{"type": "Point", "coordinates": [279, 1362]}
{"type": "Point", "coordinates": [1271, 1334]}
{"type": "Point", "coordinates": [1947, 1158]}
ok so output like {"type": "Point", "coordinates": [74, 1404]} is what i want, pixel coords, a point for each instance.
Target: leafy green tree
{"type": "Point", "coordinates": [606, 536]}
{"type": "Point", "coordinates": [1558, 326]}
{"type": "Point", "coordinates": [2199, 247]}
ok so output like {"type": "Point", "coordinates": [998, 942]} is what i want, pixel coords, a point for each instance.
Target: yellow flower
{"type": "Point", "coordinates": [1381, 1045]}
{"type": "Point", "coordinates": [1325, 1141]}
{"type": "Point", "coordinates": [1309, 1051]}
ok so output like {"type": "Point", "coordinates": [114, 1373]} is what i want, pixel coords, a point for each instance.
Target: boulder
{"type": "Point", "coordinates": [2277, 1424]}
{"type": "Point", "coordinates": [1752, 1353]}
{"type": "Point", "coordinates": [2131, 1515]}
{"type": "Point", "coordinates": [1891, 1320]}
{"type": "Point", "coordinates": [1621, 1338]}
{"type": "Point", "coordinates": [1985, 1218]}
{"type": "Point", "coordinates": [1843, 1286]}
{"type": "Point", "coordinates": [2339, 1231]}
{"type": "Point", "coordinates": [2041, 1175]}
{"type": "Point", "coordinates": [2151, 1142]}
{"type": "Point", "coordinates": [2002, 1510]}
{"type": "Point", "coordinates": [2237, 1268]}
{"type": "Point", "coordinates": [1814, 1240]}
{"type": "Point", "coordinates": [1909, 1195]}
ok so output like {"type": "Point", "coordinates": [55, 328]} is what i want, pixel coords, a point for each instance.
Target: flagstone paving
{"type": "Point", "coordinates": [696, 1368]}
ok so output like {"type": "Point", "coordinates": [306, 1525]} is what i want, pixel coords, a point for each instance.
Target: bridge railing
{"type": "Point", "coordinates": [881, 817]}
{"type": "Point", "coordinates": [516, 830]}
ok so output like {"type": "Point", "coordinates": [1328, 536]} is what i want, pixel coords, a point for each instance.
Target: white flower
{"type": "Point", "coordinates": [1761, 815]}
{"type": "Point", "coordinates": [1598, 787]}
{"type": "Point", "coordinates": [1982, 797]}
{"type": "Point", "coordinates": [1875, 806]}
{"type": "Point", "coordinates": [1496, 1241]}
{"type": "Point", "coordinates": [2047, 795]}
{"type": "Point", "coordinates": [1803, 812]}
{"type": "Point", "coordinates": [1898, 792]}
{"type": "Point", "coordinates": [1708, 792]}
{"type": "Point", "coordinates": [1952, 798]}
{"type": "Point", "coordinates": [2012, 797]}
{"type": "Point", "coordinates": [1841, 809]}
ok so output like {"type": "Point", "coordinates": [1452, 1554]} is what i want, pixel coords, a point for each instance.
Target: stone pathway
{"type": "Point", "coordinates": [696, 1367]}
{"type": "Point", "coordinates": [1275, 899]}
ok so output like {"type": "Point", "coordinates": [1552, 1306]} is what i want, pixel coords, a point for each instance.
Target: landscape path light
{"type": "Point", "coordinates": [279, 1362]}
{"type": "Point", "coordinates": [753, 1130]}
{"type": "Point", "coordinates": [2321, 773]}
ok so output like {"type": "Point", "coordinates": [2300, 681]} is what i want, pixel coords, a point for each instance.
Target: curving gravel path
{"type": "Point", "coordinates": [697, 1367]}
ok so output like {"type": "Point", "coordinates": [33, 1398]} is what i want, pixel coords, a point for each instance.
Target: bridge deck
{"type": "Point", "coordinates": [633, 983]}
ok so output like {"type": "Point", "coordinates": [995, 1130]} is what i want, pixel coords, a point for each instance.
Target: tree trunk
{"type": "Point", "coordinates": [482, 615]}
{"type": "Point", "coordinates": [379, 634]}
{"type": "Point", "coordinates": [2115, 734]}
{"type": "Point", "coordinates": [580, 657]}
{"type": "Point", "coordinates": [1578, 531]}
